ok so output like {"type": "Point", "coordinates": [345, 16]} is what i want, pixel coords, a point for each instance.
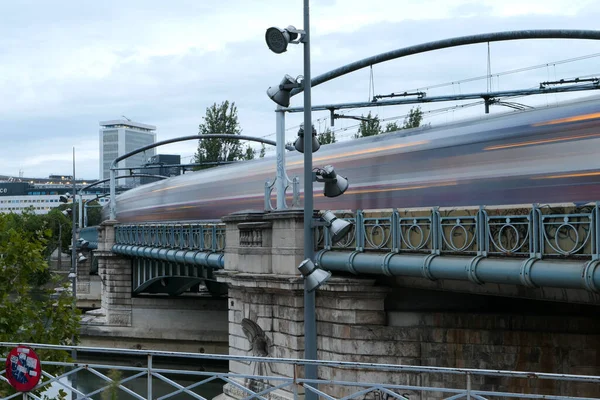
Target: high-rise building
{"type": "Point", "coordinates": [118, 137]}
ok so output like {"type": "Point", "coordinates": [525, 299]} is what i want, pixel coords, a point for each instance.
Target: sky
{"type": "Point", "coordinates": [66, 65]}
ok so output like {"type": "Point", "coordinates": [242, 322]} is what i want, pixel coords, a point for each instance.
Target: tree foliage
{"type": "Point", "coordinates": [222, 118]}
{"type": "Point", "coordinates": [326, 137]}
{"type": "Point", "coordinates": [371, 126]}
{"type": "Point", "coordinates": [30, 312]}
{"type": "Point", "coordinates": [413, 119]}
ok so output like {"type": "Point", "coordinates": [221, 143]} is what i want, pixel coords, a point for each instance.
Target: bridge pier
{"type": "Point", "coordinates": [383, 320]}
{"type": "Point", "coordinates": [194, 322]}
{"type": "Point", "coordinates": [266, 299]}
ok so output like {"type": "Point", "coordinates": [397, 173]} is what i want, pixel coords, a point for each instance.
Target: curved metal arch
{"type": "Point", "coordinates": [452, 42]}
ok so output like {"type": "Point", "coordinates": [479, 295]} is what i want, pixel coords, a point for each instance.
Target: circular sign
{"type": "Point", "coordinates": [23, 368]}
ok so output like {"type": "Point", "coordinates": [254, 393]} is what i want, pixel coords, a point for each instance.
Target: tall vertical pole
{"type": "Point", "coordinates": [74, 235]}
{"type": "Point", "coordinates": [80, 211]}
{"type": "Point", "coordinates": [73, 272]}
{"type": "Point", "coordinates": [281, 178]}
{"type": "Point", "coordinates": [112, 206]}
{"type": "Point", "coordinates": [310, 323]}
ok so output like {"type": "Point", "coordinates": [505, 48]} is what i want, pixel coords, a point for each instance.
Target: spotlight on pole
{"type": "Point", "coordinates": [338, 228]}
{"type": "Point", "coordinates": [335, 184]}
{"type": "Point", "coordinates": [64, 198]}
{"type": "Point", "coordinates": [313, 276]}
{"type": "Point", "coordinates": [81, 258]}
{"type": "Point", "coordinates": [299, 143]}
{"type": "Point", "coordinates": [280, 94]}
{"type": "Point", "coordinates": [278, 39]}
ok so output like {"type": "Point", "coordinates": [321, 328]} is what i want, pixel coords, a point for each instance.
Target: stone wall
{"type": "Point", "coordinates": [379, 321]}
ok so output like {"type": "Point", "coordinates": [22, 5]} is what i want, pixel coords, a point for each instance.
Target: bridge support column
{"type": "Point", "coordinates": [115, 274]}
{"type": "Point", "coordinates": [88, 285]}
{"type": "Point", "coordinates": [266, 299]}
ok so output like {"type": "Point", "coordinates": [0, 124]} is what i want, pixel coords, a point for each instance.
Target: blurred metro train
{"type": "Point", "coordinates": [547, 155]}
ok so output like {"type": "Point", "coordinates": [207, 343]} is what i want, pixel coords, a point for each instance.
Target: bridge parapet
{"type": "Point", "coordinates": [555, 231]}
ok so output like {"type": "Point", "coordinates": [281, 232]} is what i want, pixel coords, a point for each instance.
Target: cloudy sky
{"type": "Point", "coordinates": [65, 65]}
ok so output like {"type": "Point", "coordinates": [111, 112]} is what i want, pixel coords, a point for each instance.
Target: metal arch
{"type": "Point", "coordinates": [452, 42]}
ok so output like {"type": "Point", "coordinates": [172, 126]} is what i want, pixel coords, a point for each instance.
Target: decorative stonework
{"type": "Point", "coordinates": [251, 234]}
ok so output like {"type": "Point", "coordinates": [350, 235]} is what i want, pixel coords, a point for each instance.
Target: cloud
{"type": "Point", "coordinates": [64, 68]}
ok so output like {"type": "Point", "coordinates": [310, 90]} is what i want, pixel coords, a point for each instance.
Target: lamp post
{"type": "Point", "coordinates": [310, 319]}
{"type": "Point", "coordinates": [277, 40]}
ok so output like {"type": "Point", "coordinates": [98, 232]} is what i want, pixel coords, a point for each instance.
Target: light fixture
{"type": "Point", "coordinates": [299, 143]}
{"type": "Point", "coordinates": [338, 228]}
{"type": "Point", "coordinates": [335, 184]}
{"type": "Point", "coordinates": [67, 212]}
{"type": "Point", "coordinates": [81, 258]}
{"type": "Point", "coordinates": [72, 275]}
{"type": "Point", "coordinates": [280, 94]}
{"type": "Point", "coordinates": [278, 39]}
{"type": "Point", "coordinates": [83, 243]}
{"type": "Point", "coordinates": [313, 276]}
{"type": "Point", "coordinates": [64, 198]}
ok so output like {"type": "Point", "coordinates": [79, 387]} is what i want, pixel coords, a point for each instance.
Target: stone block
{"type": "Point", "coordinates": [289, 313]}
{"type": "Point", "coordinates": [291, 342]}
{"type": "Point", "coordinates": [116, 318]}
{"type": "Point", "coordinates": [326, 301]}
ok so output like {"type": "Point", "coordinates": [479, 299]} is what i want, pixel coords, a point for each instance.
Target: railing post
{"type": "Point", "coordinates": [596, 233]}
{"type": "Point", "coordinates": [468, 386]}
{"type": "Point", "coordinates": [396, 230]}
{"type": "Point", "coordinates": [149, 377]}
{"type": "Point", "coordinates": [360, 231]}
{"type": "Point", "coordinates": [436, 231]}
{"type": "Point", "coordinates": [482, 232]}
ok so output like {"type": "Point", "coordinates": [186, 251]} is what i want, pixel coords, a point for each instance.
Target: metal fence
{"type": "Point", "coordinates": [536, 231]}
{"type": "Point", "coordinates": [271, 378]}
{"type": "Point", "coordinates": [190, 236]}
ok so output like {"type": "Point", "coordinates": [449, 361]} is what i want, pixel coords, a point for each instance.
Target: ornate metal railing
{"type": "Point", "coordinates": [267, 378]}
{"type": "Point", "coordinates": [186, 236]}
{"type": "Point", "coordinates": [536, 231]}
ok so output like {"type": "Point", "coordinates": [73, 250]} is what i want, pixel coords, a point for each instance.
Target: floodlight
{"type": "Point", "coordinates": [64, 198]}
{"type": "Point", "coordinates": [280, 94]}
{"type": "Point", "coordinates": [67, 212]}
{"type": "Point", "coordinates": [338, 228]}
{"type": "Point", "coordinates": [278, 39]}
{"type": "Point", "coordinates": [313, 276]}
{"type": "Point", "coordinates": [299, 143]}
{"type": "Point", "coordinates": [335, 185]}
{"type": "Point", "coordinates": [83, 243]}
{"type": "Point", "coordinates": [72, 275]}
{"type": "Point", "coordinates": [82, 258]}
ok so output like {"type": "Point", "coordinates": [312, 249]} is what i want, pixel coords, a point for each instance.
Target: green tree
{"type": "Point", "coordinates": [222, 118]}
{"type": "Point", "coordinates": [326, 137]}
{"type": "Point", "coordinates": [370, 126]}
{"type": "Point", "coordinates": [392, 127]}
{"type": "Point", "coordinates": [413, 119]}
{"type": "Point", "coordinates": [263, 150]}
{"type": "Point", "coordinates": [94, 213]}
{"type": "Point", "coordinates": [30, 312]}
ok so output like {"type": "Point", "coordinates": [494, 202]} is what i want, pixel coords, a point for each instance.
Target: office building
{"type": "Point", "coordinates": [119, 137]}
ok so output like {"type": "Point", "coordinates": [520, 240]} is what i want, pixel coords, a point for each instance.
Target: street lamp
{"type": "Point", "coordinates": [277, 40]}
{"type": "Point", "coordinates": [299, 143]}
{"type": "Point", "coordinates": [281, 93]}
{"type": "Point", "coordinates": [313, 276]}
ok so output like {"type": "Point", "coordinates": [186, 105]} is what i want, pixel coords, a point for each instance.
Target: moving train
{"type": "Point", "coordinates": [547, 155]}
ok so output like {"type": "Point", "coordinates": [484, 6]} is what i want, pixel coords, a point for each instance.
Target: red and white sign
{"type": "Point", "coordinates": [23, 368]}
